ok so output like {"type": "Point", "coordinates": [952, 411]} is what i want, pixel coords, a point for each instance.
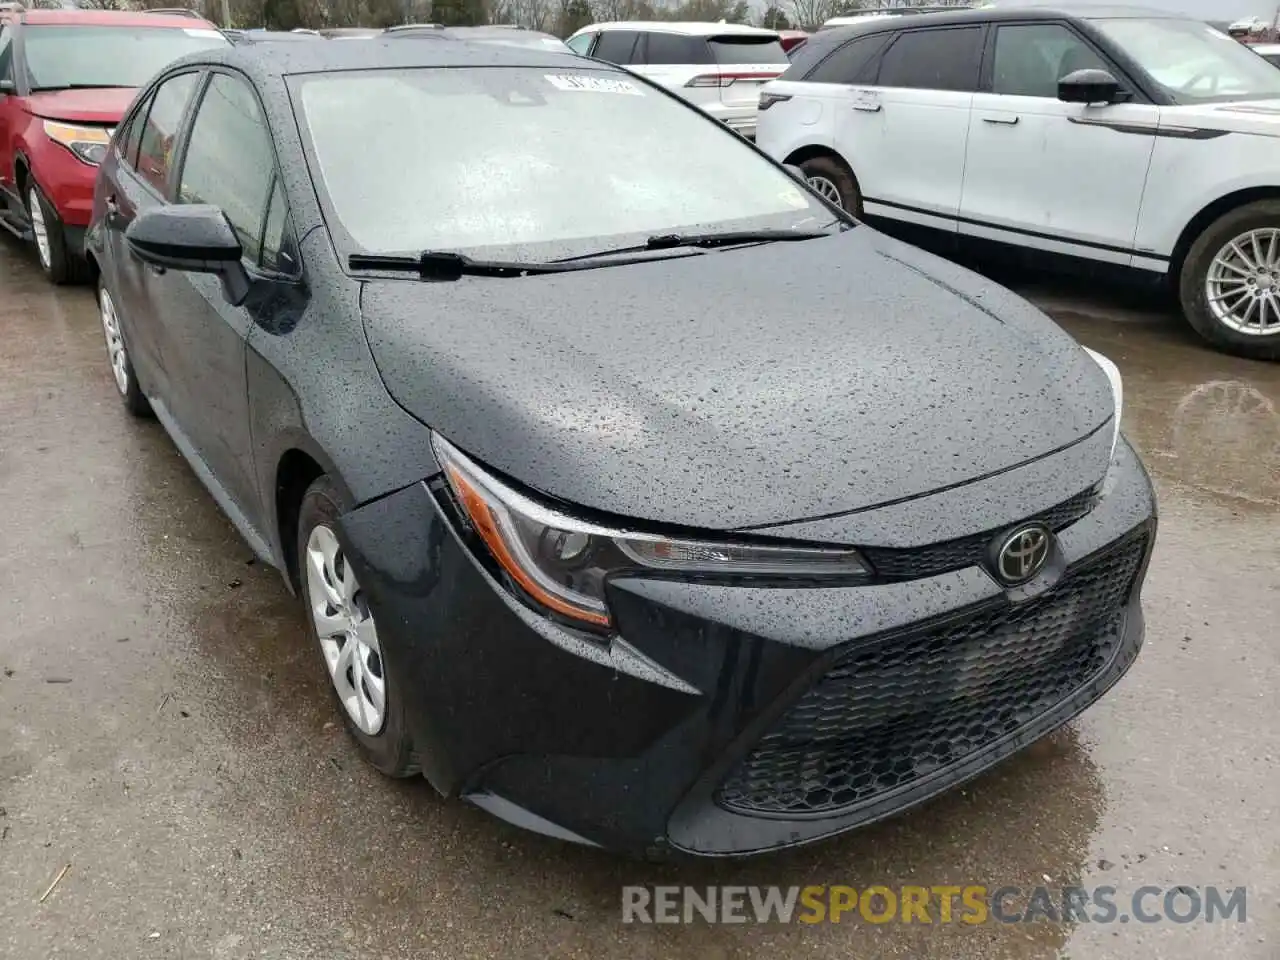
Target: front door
{"type": "Point", "coordinates": [905, 134]}
{"type": "Point", "coordinates": [1063, 177]}
{"type": "Point", "coordinates": [227, 161]}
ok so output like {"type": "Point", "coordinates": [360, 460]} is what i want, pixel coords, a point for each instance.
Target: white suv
{"type": "Point", "coordinates": [718, 67]}
{"type": "Point", "coordinates": [1137, 140]}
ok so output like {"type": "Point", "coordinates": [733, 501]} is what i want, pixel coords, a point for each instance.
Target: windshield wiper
{"type": "Point", "coordinates": [670, 241]}
{"type": "Point", "coordinates": [447, 265]}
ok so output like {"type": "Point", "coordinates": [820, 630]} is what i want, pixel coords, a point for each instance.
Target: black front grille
{"type": "Point", "coordinates": [928, 561]}
{"type": "Point", "coordinates": [901, 708]}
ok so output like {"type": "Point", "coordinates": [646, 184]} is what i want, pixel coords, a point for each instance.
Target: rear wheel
{"type": "Point", "coordinates": [131, 394]}
{"type": "Point", "coordinates": [831, 179]}
{"type": "Point", "coordinates": [59, 264]}
{"type": "Point", "coordinates": [1229, 286]}
{"type": "Point", "coordinates": [347, 637]}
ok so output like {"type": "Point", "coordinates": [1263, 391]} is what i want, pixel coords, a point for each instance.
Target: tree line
{"type": "Point", "coordinates": [561, 17]}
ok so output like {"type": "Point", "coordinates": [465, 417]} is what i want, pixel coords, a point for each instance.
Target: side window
{"type": "Point", "coordinates": [582, 43]}
{"type": "Point", "coordinates": [155, 145]}
{"type": "Point", "coordinates": [851, 63]}
{"type": "Point", "coordinates": [131, 136]}
{"type": "Point", "coordinates": [933, 60]}
{"type": "Point", "coordinates": [229, 161]}
{"type": "Point", "coordinates": [6, 53]}
{"type": "Point", "coordinates": [278, 253]}
{"type": "Point", "coordinates": [674, 48]}
{"type": "Point", "coordinates": [616, 46]}
{"type": "Point", "coordinates": [1031, 58]}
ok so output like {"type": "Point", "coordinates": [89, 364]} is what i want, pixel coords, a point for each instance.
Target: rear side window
{"type": "Point", "coordinates": [616, 46]}
{"type": "Point", "coordinates": [155, 148]}
{"type": "Point", "coordinates": [674, 48]}
{"type": "Point", "coordinates": [130, 136]}
{"type": "Point", "coordinates": [852, 63]}
{"type": "Point", "coordinates": [734, 49]}
{"type": "Point", "coordinates": [933, 60]}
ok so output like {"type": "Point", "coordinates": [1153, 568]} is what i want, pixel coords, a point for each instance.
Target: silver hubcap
{"type": "Point", "coordinates": [828, 190]}
{"type": "Point", "coordinates": [115, 342]}
{"type": "Point", "coordinates": [39, 227]}
{"type": "Point", "coordinates": [1243, 285]}
{"type": "Point", "coordinates": [348, 637]}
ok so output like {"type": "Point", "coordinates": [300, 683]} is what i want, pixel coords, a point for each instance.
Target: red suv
{"type": "Point", "coordinates": [66, 79]}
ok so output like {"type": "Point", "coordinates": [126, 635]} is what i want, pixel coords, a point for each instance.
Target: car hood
{"type": "Point", "coordinates": [739, 388]}
{"type": "Point", "coordinates": [1260, 117]}
{"type": "Point", "coordinates": [104, 105]}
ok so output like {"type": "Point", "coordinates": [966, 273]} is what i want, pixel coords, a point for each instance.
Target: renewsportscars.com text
{"type": "Point", "coordinates": [972, 904]}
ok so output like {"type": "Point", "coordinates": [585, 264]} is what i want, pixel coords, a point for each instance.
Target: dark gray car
{"type": "Point", "coordinates": [649, 504]}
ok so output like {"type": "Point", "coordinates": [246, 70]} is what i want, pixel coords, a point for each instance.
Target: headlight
{"type": "Point", "coordinates": [87, 143]}
{"type": "Point", "coordinates": [1117, 391]}
{"type": "Point", "coordinates": [561, 563]}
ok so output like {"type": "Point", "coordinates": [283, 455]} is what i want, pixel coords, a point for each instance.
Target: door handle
{"type": "Point", "coordinates": [113, 211]}
{"type": "Point", "coordinates": [867, 107]}
{"type": "Point", "coordinates": [1003, 121]}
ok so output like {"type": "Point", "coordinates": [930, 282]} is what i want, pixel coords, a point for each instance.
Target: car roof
{"type": "Point", "coordinates": [687, 28]}
{"type": "Point", "coordinates": [114, 18]}
{"type": "Point", "coordinates": [1023, 9]}
{"type": "Point", "coordinates": [267, 59]}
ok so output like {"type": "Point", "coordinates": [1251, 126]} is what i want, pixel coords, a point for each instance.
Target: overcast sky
{"type": "Point", "coordinates": [1216, 9]}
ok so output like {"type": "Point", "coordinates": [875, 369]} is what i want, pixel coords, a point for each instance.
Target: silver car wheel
{"type": "Point", "coordinates": [39, 227]}
{"type": "Point", "coordinates": [348, 635]}
{"type": "Point", "coordinates": [826, 189]}
{"type": "Point", "coordinates": [116, 352]}
{"type": "Point", "coordinates": [1242, 286]}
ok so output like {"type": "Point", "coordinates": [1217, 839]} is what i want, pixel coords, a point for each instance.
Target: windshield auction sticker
{"type": "Point", "coordinates": [592, 84]}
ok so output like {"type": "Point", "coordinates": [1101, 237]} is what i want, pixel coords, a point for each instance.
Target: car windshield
{"type": "Point", "coordinates": [530, 163]}
{"type": "Point", "coordinates": [96, 56]}
{"type": "Point", "coordinates": [1192, 61]}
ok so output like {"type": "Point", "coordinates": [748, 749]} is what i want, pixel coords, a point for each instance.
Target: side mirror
{"type": "Point", "coordinates": [195, 238]}
{"type": "Point", "coordinates": [1089, 86]}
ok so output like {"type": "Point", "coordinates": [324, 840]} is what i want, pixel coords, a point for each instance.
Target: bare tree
{"type": "Point", "coordinates": [810, 14]}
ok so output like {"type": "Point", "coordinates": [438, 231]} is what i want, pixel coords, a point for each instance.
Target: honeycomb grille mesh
{"type": "Point", "coordinates": [901, 564]}
{"type": "Point", "coordinates": [899, 709]}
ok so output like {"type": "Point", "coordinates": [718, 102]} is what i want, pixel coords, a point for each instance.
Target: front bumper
{"type": "Point", "coordinates": [728, 719]}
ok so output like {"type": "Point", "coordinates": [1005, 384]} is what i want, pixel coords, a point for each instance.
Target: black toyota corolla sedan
{"type": "Point", "coordinates": [631, 492]}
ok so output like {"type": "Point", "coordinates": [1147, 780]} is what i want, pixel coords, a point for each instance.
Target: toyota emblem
{"type": "Point", "coordinates": [1023, 553]}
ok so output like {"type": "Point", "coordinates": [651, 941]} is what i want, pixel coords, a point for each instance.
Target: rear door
{"type": "Point", "coordinates": [140, 181]}
{"type": "Point", "coordinates": [905, 133]}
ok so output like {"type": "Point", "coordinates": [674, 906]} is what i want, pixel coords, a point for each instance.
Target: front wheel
{"type": "Point", "coordinates": [1229, 286]}
{"type": "Point", "coordinates": [59, 264]}
{"type": "Point", "coordinates": [343, 627]}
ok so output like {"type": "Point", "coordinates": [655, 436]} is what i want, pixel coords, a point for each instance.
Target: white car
{"type": "Point", "coordinates": [1122, 138]}
{"type": "Point", "coordinates": [718, 67]}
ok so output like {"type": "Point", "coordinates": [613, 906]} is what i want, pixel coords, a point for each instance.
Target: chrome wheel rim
{"type": "Point", "coordinates": [827, 190]}
{"type": "Point", "coordinates": [39, 227]}
{"type": "Point", "coordinates": [348, 635]}
{"type": "Point", "coordinates": [116, 352]}
{"type": "Point", "coordinates": [1243, 283]}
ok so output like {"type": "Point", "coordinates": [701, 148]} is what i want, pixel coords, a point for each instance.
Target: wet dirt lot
{"type": "Point", "coordinates": [166, 730]}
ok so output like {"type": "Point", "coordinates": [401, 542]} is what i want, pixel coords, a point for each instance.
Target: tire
{"type": "Point", "coordinates": [126, 381]}
{"type": "Point", "coordinates": [386, 745]}
{"type": "Point", "coordinates": [827, 172]}
{"type": "Point", "coordinates": [60, 265]}
{"type": "Point", "coordinates": [1198, 269]}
